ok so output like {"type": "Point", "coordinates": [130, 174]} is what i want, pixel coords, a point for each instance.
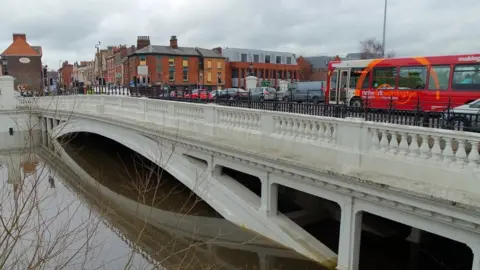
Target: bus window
{"type": "Point", "coordinates": [412, 78]}
{"type": "Point", "coordinates": [355, 75]}
{"type": "Point", "coordinates": [384, 78]}
{"type": "Point", "coordinates": [333, 79]}
{"type": "Point", "coordinates": [466, 77]}
{"type": "Point", "coordinates": [439, 77]}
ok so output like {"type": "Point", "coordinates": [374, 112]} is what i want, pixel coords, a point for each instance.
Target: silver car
{"type": "Point", "coordinates": [464, 117]}
{"type": "Point", "coordinates": [263, 94]}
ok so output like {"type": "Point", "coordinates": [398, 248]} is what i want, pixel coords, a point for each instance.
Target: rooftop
{"type": "Point", "coordinates": [167, 50]}
{"type": "Point", "coordinates": [20, 47]}
{"type": "Point", "coordinates": [209, 53]}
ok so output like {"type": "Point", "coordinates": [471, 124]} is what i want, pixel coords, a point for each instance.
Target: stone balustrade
{"type": "Point", "coordinates": [432, 163]}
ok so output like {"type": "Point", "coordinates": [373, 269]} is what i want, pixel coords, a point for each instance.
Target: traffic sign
{"type": "Point", "coordinates": [266, 83]}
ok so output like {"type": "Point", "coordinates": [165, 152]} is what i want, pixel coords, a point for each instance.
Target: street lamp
{"type": "Point", "coordinates": [384, 28]}
{"type": "Point", "coordinates": [4, 65]}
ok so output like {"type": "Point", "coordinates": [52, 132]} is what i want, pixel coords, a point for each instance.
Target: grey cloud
{"type": "Point", "coordinates": [309, 27]}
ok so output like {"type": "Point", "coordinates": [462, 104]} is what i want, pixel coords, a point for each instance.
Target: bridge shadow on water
{"type": "Point", "coordinates": [385, 244]}
{"type": "Point", "coordinates": [216, 245]}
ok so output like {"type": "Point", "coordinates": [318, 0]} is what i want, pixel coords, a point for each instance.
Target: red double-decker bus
{"type": "Point", "coordinates": [433, 83]}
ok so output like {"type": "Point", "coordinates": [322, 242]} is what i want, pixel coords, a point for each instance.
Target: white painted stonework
{"type": "Point", "coordinates": [7, 98]}
{"type": "Point", "coordinates": [413, 179]}
{"type": "Point", "coordinates": [251, 82]}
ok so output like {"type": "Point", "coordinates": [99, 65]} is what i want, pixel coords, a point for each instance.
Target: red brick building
{"type": "Point", "coordinates": [65, 75]}
{"type": "Point", "coordinates": [173, 65]}
{"type": "Point", "coordinates": [268, 66]}
{"type": "Point", "coordinates": [25, 64]}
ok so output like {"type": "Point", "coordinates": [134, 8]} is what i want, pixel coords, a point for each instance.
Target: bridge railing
{"type": "Point", "coordinates": [432, 162]}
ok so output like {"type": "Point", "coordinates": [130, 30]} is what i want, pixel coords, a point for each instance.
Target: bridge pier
{"type": "Point", "coordinates": [43, 121]}
{"type": "Point", "coordinates": [476, 257]}
{"type": "Point", "coordinates": [269, 199]}
{"type": "Point", "coordinates": [49, 131]}
{"type": "Point", "coordinates": [350, 236]}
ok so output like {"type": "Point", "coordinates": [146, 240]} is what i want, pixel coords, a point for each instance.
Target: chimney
{"type": "Point", "coordinates": [19, 36]}
{"type": "Point", "coordinates": [174, 42]}
{"type": "Point", "coordinates": [142, 42]}
{"type": "Point", "coordinates": [218, 50]}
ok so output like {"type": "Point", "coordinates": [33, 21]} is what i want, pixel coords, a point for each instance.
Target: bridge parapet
{"type": "Point", "coordinates": [433, 163]}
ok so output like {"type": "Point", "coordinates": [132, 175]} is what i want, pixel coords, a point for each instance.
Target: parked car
{"type": "Point", "coordinates": [304, 91]}
{"type": "Point", "coordinates": [263, 93]}
{"type": "Point", "coordinates": [217, 93]}
{"type": "Point", "coordinates": [199, 94]}
{"type": "Point", "coordinates": [236, 93]}
{"type": "Point", "coordinates": [463, 117]}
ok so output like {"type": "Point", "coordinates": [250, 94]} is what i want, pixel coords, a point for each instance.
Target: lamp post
{"type": "Point", "coordinates": [384, 28]}
{"type": "Point", "coordinates": [4, 65]}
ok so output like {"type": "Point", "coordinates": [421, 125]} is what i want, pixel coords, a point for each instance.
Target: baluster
{"type": "Point", "coordinates": [334, 132]}
{"type": "Point", "coordinates": [289, 127]}
{"type": "Point", "coordinates": [375, 139]}
{"type": "Point", "coordinates": [448, 151]}
{"type": "Point", "coordinates": [425, 147]}
{"type": "Point", "coordinates": [403, 146]}
{"type": "Point", "coordinates": [393, 144]}
{"type": "Point", "coordinates": [277, 125]}
{"type": "Point", "coordinates": [473, 155]}
{"type": "Point", "coordinates": [413, 147]}
{"type": "Point", "coordinates": [384, 145]}
{"type": "Point", "coordinates": [461, 154]}
{"type": "Point", "coordinates": [436, 150]}
{"type": "Point", "coordinates": [326, 132]}
{"type": "Point", "coordinates": [283, 129]}
{"type": "Point", "coordinates": [308, 130]}
{"type": "Point", "coordinates": [301, 129]}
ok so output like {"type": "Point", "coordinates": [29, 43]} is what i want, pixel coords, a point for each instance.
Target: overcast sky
{"type": "Point", "coordinates": [69, 29]}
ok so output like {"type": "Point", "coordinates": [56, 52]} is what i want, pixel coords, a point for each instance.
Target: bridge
{"type": "Point", "coordinates": [422, 177]}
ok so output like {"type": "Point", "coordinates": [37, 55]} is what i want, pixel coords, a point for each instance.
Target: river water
{"type": "Point", "coordinates": [50, 224]}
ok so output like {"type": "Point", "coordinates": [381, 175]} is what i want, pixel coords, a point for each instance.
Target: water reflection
{"type": "Point", "coordinates": [183, 231]}
{"type": "Point", "coordinates": [52, 228]}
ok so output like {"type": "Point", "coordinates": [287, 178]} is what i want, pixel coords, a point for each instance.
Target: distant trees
{"type": "Point", "coordinates": [371, 48]}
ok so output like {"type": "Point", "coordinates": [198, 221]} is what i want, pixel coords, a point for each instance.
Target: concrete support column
{"type": "Point", "coordinates": [266, 262]}
{"type": "Point", "coordinates": [476, 257]}
{"type": "Point", "coordinates": [49, 131]}
{"type": "Point", "coordinates": [269, 199]}
{"type": "Point", "coordinates": [350, 236]}
{"type": "Point", "coordinates": [43, 121]}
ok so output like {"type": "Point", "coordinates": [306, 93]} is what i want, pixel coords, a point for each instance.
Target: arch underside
{"type": "Point", "coordinates": [200, 180]}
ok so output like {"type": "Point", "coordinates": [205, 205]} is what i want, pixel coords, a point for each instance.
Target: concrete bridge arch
{"type": "Point", "coordinates": [203, 181]}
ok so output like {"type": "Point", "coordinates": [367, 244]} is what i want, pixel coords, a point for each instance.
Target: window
{"type": "Point", "coordinates": [244, 57]}
{"type": "Point", "coordinates": [219, 77]}
{"type": "Point", "coordinates": [412, 78]}
{"type": "Point", "coordinates": [466, 77]}
{"type": "Point", "coordinates": [171, 75]}
{"type": "Point", "coordinates": [384, 78]}
{"type": "Point", "coordinates": [256, 58]}
{"type": "Point", "coordinates": [289, 60]}
{"type": "Point", "coordinates": [143, 58]}
{"type": "Point", "coordinates": [234, 73]}
{"type": "Point", "coordinates": [171, 62]}
{"type": "Point", "coordinates": [209, 77]}
{"type": "Point", "coordinates": [219, 64]}
{"type": "Point", "coordinates": [439, 77]}
{"type": "Point", "coordinates": [278, 59]}
{"type": "Point", "coordinates": [209, 64]}
{"type": "Point", "coordinates": [267, 58]}
{"type": "Point", "coordinates": [185, 75]}
{"type": "Point", "coordinates": [185, 63]}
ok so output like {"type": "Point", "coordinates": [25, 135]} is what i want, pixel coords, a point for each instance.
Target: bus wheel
{"type": "Point", "coordinates": [357, 103]}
